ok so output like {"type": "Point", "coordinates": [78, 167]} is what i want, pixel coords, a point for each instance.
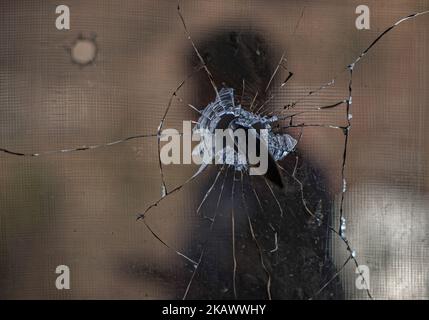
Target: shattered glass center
{"type": "Point", "coordinates": [224, 107]}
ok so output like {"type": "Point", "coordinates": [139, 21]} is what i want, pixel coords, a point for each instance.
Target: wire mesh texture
{"type": "Point", "coordinates": [354, 191]}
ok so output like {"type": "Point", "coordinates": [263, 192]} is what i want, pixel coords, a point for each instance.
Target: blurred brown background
{"type": "Point", "coordinates": [79, 209]}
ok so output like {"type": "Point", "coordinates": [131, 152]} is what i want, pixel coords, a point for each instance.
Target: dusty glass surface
{"type": "Point", "coordinates": [110, 78]}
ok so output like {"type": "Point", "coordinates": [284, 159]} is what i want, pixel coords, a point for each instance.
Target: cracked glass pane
{"type": "Point", "coordinates": [339, 212]}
